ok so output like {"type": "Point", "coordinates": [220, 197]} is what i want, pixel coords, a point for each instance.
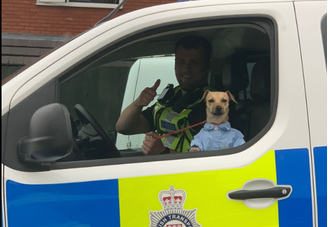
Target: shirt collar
{"type": "Point", "coordinates": [225, 126]}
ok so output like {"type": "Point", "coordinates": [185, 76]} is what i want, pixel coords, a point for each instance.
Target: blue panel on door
{"type": "Point", "coordinates": [320, 164]}
{"type": "Point", "coordinates": [82, 204]}
{"type": "Point", "coordinates": [293, 168]}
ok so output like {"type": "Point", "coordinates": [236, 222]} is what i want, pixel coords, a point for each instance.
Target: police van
{"type": "Point", "coordinates": [64, 164]}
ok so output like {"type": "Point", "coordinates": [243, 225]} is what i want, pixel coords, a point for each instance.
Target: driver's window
{"type": "Point", "coordinates": [105, 84]}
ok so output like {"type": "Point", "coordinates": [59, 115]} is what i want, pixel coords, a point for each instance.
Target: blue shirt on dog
{"type": "Point", "coordinates": [216, 137]}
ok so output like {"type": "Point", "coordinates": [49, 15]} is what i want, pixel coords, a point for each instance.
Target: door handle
{"type": "Point", "coordinates": [277, 192]}
{"type": "Point", "coordinates": [260, 193]}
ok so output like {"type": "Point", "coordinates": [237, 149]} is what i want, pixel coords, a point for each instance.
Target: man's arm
{"type": "Point", "coordinates": [131, 120]}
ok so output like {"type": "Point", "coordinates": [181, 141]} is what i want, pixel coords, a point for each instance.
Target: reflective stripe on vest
{"type": "Point", "coordinates": [170, 121]}
{"type": "Point", "coordinates": [166, 120]}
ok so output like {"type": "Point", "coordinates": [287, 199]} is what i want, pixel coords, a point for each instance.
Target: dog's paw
{"type": "Point", "coordinates": [193, 149]}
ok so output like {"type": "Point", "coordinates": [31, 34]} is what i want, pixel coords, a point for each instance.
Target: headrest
{"type": "Point", "coordinates": [235, 75]}
{"type": "Point", "coordinates": [260, 81]}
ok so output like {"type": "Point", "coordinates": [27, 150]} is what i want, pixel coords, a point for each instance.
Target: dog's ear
{"type": "Point", "coordinates": [231, 97]}
{"type": "Point", "coordinates": [204, 96]}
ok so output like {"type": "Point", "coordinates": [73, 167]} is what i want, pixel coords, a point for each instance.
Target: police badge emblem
{"type": "Point", "coordinates": [173, 214]}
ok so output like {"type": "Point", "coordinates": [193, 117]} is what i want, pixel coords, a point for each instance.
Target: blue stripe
{"type": "Point", "coordinates": [293, 168]}
{"type": "Point", "coordinates": [63, 205]}
{"type": "Point", "coordinates": [320, 164]}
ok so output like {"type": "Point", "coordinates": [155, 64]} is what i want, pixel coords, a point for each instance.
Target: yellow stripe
{"type": "Point", "coordinates": [205, 191]}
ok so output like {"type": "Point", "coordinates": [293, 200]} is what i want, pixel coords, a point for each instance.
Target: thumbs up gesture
{"type": "Point", "coordinates": [148, 94]}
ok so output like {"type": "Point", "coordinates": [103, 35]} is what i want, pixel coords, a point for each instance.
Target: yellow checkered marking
{"type": "Point", "coordinates": [205, 191]}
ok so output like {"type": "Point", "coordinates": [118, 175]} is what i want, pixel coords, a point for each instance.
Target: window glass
{"type": "Point", "coordinates": [96, 1]}
{"type": "Point", "coordinates": [106, 85]}
{"type": "Point", "coordinates": [80, 3]}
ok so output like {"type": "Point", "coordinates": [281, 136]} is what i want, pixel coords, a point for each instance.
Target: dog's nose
{"type": "Point", "coordinates": [218, 108]}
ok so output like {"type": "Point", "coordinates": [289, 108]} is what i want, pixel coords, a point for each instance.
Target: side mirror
{"type": "Point", "coordinates": [50, 136]}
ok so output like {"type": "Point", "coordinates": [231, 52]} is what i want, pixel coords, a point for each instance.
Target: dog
{"type": "Point", "coordinates": [217, 132]}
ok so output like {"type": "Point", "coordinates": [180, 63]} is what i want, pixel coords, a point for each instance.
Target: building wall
{"type": "Point", "coordinates": [24, 16]}
{"type": "Point", "coordinates": [30, 30]}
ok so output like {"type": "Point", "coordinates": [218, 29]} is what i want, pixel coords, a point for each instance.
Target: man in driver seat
{"type": "Point", "coordinates": [179, 108]}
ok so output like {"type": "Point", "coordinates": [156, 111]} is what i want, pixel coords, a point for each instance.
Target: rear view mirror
{"type": "Point", "coordinates": [50, 136]}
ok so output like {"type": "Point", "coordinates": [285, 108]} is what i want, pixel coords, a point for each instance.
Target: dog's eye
{"type": "Point", "coordinates": [224, 100]}
{"type": "Point", "coordinates": [211, 100]}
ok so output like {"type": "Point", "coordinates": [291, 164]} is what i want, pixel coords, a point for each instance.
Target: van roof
{"type": "Point", "coordinates": [197, 3]}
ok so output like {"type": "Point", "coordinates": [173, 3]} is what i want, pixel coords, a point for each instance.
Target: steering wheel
{"type": "Point", "coordinates": [86, 118]}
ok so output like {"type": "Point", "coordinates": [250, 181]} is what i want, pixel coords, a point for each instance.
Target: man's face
{"type": "Point", "coordinates": [191, 68]}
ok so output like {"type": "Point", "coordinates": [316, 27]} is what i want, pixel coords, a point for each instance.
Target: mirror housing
{"type": "Point", "coordinates": [50, 136]}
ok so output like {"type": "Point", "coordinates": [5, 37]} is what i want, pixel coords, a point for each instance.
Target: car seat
{"type": "Point", "coordinates": [258, 112]}
{"type": "Point", "coordinates": [235, 79]}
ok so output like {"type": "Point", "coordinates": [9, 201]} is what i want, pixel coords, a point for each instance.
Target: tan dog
{"type": "Point", "coordinates": [217, 108]}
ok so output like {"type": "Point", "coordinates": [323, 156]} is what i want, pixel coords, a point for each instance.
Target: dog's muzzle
{"type": "Point", "coordinates": [218, 111]}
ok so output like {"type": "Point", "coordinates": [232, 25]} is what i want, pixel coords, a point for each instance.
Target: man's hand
{"type": "Point", "coordinates": [148, 94]}
{"type": "Point", "coordinates": [131, 120]}
{"type": "Point", "coordinates": [151, 145]}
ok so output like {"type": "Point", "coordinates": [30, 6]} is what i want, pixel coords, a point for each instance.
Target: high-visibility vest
{"type": "Point", "coordinates": [166, 120]}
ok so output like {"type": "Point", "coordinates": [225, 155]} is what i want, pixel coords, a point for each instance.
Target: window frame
{"type": "Point", "coordinates": [266, 22]}
{"type": "Point", "coordinates": [67, 3]}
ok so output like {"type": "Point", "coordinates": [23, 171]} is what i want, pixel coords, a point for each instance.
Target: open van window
{"type": "Point", "coordinates": [107, 83]}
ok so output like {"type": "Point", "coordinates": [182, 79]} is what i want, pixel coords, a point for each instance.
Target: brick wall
{"type": "Point", "coordinates": [24, 16]}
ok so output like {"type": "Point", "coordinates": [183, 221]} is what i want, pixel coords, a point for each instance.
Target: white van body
{"type": "Point", "coordinates": [271, 54]}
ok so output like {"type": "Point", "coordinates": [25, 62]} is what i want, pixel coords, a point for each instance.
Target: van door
{"type": "Point", "coordinates": [313, 41]}
{"type": "Point", "coordinates": [265, 182]}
